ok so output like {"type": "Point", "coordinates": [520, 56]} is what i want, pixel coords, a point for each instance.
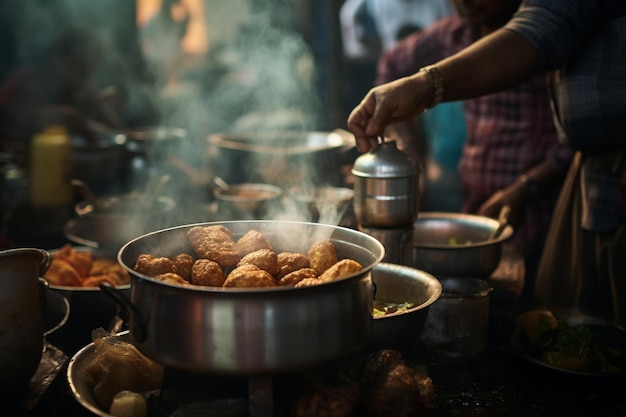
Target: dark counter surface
{"type": "Point", "coordinates": [497, 382]}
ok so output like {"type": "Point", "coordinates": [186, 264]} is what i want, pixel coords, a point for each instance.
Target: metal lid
{"type": "Point", "coordinates": [385, 162]}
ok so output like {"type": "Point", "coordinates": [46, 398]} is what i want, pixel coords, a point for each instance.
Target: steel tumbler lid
{"type": "Point", "coordinates": [387, 161]}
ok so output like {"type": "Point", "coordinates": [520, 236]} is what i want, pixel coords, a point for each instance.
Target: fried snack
{"type": "Point", "coordinates": [291, 261]}
{"type": "Point", "coordinates": [172, 278]}
{"type": "Point", "coordinates": [96, 280]}
{"type": "Point", "coordinates": [322, 255]}
{"type": "Point", "coordinates": [341, 269]}
{"type": "Point", "coordinates": [265, 259]}
{"type": "Point", "coordinates": [80, 260]}
{"type": "Point", "coordinates": [392, 387]}
{"type": "Point", "coordinates": [62, 273]}
{"type": "Point", "coordinates": [537, 325]}
{"type": "Point", "coordinates": [111, 268]}
{"type": "Point", "coordinates": [184, 264]}
{"type": "Point", "coordinates": [208, 273]}
{"type": "Point", "coordinates": [118, 365]}
{"type": "Point", "coordinates": [214, 243]}
{"type": "Point", "coordinates": [249, 276]}
{"type": "Point", "coordinates": [295, 277]}
{"type": "Point", "coordinates": [252, 241]}
{"type": "Point", "coordinates": [152, 266]}
{"type": "Point", "coordinates": [308, 282]}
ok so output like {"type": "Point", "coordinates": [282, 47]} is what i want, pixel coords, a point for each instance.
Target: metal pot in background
{"type": "Point", "coordinates": [283, 158]}
{"type": "Point", "coordinates": [252, 331]}
{"type": "Point", "coordinates": [247, 201]}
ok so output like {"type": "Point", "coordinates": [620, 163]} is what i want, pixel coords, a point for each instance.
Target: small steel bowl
{"type": "Point", "coordinates": [457, 245]}
{"type": "Point", "coordinates": [247, 201]}
{"type": "Point", "coordinates": [325, 204]}
{"type": "Point", "coordinates": [399, 284]}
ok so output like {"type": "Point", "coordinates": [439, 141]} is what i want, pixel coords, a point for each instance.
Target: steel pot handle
{"type": "Point", "coordinates": [124, 307]}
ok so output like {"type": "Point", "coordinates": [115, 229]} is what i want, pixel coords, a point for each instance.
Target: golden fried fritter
{"type": "Point", "coordinates": [308, 282]}
{"type": "Point", "coordinates": [214, 243]}
{"type": "Point", "coordinates": [172, 278]}
{"type": "Point", "coordinates": [207, 272]}
{"type": "Point", "coordinates": [96, 280]}
{"type": "Point", "coordinates": [252, 241]}
{"type": "Point", "coordinates": [249, 276]}
{"type": "Point", "coordinates": [265, 259]}
{"type": "Point", "coordinates": [183, 263]}
{"type": "Point", "coordinates": [341, 269]}
{"type": "Point", "coordinates": [61, 272]}
{"type": "Point", "coordinates": [291, 261]}
{"type": "Point", "coordinates": [105, 266]}
{"type": "Point", "coordinates": [80, 260]}
{"type": "Point", "coordinates": [152, 266]}
{"type": "Point", "coordinates": [322, 255]}
{"type": "Point", "coordinates": [295, 277]}
{"type": "Point", "coordinates": [392, 387]}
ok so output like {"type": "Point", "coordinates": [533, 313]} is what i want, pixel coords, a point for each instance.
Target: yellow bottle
{"type": "Point", "coordinates": [51, 168]}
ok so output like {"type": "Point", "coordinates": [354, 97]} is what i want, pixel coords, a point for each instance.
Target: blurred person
{"type": "Point", "coordinates": [509, 133]}
{"type": "Point", "coordinates": [370, 28]}
{"type": "Point", "coordinates": [582, 271]}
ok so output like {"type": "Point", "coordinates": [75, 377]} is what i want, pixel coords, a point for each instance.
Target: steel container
{"type": "Point", "coordinates": [402, 284]}
{"type": "Point", "coordinates": [386, 188]}
{"type": "Point", "coordinates": [457, 244]}
{"type": "Point", "coordinates": [281, 158]}
{"type": "Point", "coordinates": [252, 331]}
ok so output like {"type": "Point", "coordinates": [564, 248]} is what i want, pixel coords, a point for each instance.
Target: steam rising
{"type": "Point", "coordinates": [258, 74]}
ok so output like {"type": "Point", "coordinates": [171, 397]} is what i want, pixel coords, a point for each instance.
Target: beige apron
{"type": "Point", "coordinates": [582, 274]}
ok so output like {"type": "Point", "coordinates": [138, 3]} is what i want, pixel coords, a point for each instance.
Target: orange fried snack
{"type": "Point", "coordinates": [295, 277]}
{"type": "Point", "coordinates": [249, 276]}
{"type": "Point", "coordinates": [110, 268]}
{"type": "Point", "coordinates": [152, 266]}
{"type": "Point", "coordinates": [214, 243]}
{"type": "Point", "coordinates": [265, 259]}
{"type": "Point", "coordinates": [208, 273]}
{"type": "Point", "coordinates": [308, 282]}
{"type": "Point", "coordinates": [184, 264]}
{"type": "Point", "coordinates": [62, 273]}
{"type": "Point", "coordinates": [341, 269]}
{"type": "Point", "coordinates": [171, 278]}
{"type": "Point", "coordinates": [291, 261]}
{"type": "Point", "coordinates": [322, 255]}
{"type": "Point", "coordinates": [252, 241]}
{"type": "Point", "coordinates": [80, 260]}
{"type": "Point", "coordinates": [96, 280]}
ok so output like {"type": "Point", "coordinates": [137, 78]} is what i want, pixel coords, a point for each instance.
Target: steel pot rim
{"type": "Point", "coordinates": [476, 219]}
{"type": "Point", "coordinates": [229, 141]}
{"type": "Point", "coordinates": [136, 276]}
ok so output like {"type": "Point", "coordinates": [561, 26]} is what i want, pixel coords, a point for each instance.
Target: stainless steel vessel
{"type": "Point", "coordinates": [386, 188]}
{"type": "Point", "coordinates": [252, 331]}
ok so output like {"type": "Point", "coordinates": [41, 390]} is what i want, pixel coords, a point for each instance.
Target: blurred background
{"type": "Point", "coordinates": [139, 86]}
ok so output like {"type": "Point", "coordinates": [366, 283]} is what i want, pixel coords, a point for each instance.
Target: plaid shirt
{"type": "Point", "coordinates": [586, 41]}
{"type": "Point", "coordinates": [507, 132]}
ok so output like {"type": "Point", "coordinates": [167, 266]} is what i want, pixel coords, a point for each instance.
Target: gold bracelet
{"type": "Point", "coordinates": [437, 78]}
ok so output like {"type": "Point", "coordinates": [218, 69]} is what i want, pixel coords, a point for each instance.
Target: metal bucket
{"type": "Point", "coordinates": [457, 323]}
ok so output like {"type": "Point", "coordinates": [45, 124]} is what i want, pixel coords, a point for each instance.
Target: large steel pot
{"type": "Point", "coordinates": [281, 158]}
{"type": "Point", "coordinates": [252, 331]}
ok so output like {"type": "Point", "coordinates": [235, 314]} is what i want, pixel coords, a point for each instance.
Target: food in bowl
{"type": "Point", "coordinates": [217, 260]}
{"type": "Point", "coordinates": [382, 308]}
{"type": "Point", "coordinates": [70, 267]}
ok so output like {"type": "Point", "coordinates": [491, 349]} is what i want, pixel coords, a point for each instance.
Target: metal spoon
{"type": "Point", "coordinates": [220, 183]}
{"type": "Point", "coordinates": [503, 221]}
